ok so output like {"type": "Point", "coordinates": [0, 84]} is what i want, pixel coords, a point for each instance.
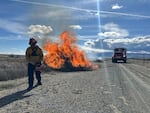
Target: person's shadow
{"type": "Point", "coordinates": [19, 95]}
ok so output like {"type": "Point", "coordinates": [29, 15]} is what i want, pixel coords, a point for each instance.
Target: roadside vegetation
{"type": "Point", "coordinates": [12, 67]}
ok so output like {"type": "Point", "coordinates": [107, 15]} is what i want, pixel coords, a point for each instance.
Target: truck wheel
{"type": "Point", "coordinates": [112, 61]}
{"type": "Point", "coordinates": [125, 61]}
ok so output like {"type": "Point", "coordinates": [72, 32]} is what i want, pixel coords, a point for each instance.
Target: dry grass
{"type": "Point", "coordinates": [12, 67]}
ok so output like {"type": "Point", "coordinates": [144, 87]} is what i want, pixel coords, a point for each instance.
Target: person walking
{"type": "Point", "coordinates": [34, 58]}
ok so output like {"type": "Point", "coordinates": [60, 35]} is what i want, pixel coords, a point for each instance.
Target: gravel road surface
{"type": "Point", "coordinates": [113, 88]}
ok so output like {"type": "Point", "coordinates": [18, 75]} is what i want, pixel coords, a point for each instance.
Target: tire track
{"type": "Point", "coordinates": [120, 90]}
{"type": "Point", "coordinates": [139, 90]}
{"type": "Point", "coordinates": [139, 69]}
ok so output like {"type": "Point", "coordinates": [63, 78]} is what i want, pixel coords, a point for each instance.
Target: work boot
{"type": "Point", "coordinates": [39, 83]}
{"type": "Point", "coordinates": [29, 88]}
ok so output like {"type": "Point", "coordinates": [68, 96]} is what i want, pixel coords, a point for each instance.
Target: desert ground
{"type": "Point", "coordinates": [112, 88]}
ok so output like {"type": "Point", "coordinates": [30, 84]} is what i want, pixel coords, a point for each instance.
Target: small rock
{"type": "Point", "coordinates": [77, 91]}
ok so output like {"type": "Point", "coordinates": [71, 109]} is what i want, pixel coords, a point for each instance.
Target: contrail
{"type": "Point", "coordinates": [80, 9]}
{"type": "Point", "coordinates": [124, 14]}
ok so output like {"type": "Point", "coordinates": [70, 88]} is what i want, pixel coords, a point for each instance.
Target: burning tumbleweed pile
{"type": "Point", "coordinates": [65, 55]}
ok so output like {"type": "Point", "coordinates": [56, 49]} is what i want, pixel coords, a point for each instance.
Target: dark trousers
{"type": "Point", "coordinates": [31, 70]}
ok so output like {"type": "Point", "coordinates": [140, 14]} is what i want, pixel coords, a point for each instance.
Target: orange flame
{"type": "Point", "coordinates": [60, 54]}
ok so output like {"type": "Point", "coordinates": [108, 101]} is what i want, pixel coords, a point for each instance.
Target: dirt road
{"type": "Point", "coordinates": [129, 85]}
{"type": "Point", "coordinates": [114, 88]}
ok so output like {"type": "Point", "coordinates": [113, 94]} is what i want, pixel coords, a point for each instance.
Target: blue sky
{"type": "Point", "coordinates": [117, 22]}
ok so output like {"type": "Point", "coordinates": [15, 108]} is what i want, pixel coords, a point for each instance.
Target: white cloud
{"type": "Point", "coordinates": [94, 49]}
{"type": "Point", "coordinates": [116, 6]}
{"type": "Point", "coordinates": [140, 44]}
{"type": "Point", "coordinates": [113, 31]}
{"type": "Point", "coordinates": [13, 27]}
{"type": "Point", "coordinates": [87, 37]}
{"type": "Point", "coordinates": [89, 43]}
{"type": "Point", "coordinates": [135, 40]}
{"type": "Point", "coordinates": [42, 29]}
{"type": "Point", "coordinates": [110, 34]}
{"type": "Point", "coordinates": [75, 26]}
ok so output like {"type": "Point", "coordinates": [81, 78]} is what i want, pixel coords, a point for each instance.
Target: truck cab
{"type": "Point", "coordinates": [119, 54]}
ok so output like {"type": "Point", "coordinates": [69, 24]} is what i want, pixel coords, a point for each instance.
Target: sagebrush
{"type": "Point", "coordinates": [12, 67]}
